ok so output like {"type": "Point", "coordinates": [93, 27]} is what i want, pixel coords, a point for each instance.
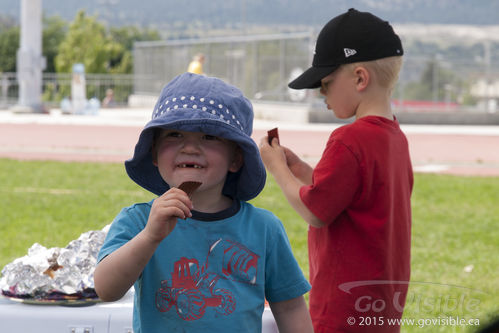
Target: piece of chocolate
{"type": "Point", "coordinates": [273, 133]}
{"type": "Point", "coordinates": [189, 187]}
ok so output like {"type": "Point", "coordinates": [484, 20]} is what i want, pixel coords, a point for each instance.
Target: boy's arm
{"type": "Point", "coordinates": [298, 167]}
{"type": "Point", "coordinates": [292, 316]}
{"type": "Point", "coordinates": [117, 272]}
{"type": "Point", "coordinates": [275, 159]}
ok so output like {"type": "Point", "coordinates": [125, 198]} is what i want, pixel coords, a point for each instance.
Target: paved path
{"type": "Point", "coordinates": [111, 137]}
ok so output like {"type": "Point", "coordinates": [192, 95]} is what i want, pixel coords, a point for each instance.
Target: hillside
{"type": "Point", "coordinates": [170, 14]}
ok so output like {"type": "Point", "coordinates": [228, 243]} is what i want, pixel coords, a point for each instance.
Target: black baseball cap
{"type": "Point", "coordinates": [350, 37]}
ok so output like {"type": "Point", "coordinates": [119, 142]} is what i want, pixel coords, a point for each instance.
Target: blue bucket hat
{"type": "Point", "coordinates": [197, 103]}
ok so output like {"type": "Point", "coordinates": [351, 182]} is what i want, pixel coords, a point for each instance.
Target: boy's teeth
{"type": "Point", "coordinates": [190, 165]}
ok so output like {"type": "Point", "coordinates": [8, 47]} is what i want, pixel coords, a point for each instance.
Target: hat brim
{"type": "Point", "coordinates": [311, 78]}
{"type": "Point", "coordinates": [246, 184]}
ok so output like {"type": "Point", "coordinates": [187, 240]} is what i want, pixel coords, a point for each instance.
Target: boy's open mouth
{"type": "Point", "coordinates": [186, 165]}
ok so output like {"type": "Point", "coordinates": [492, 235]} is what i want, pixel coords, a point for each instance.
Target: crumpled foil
{"type": "Point", "coordinates": [66, 270]}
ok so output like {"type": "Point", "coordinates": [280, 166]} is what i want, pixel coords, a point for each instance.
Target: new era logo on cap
{"type": "Point", "coordinates": [349, 52]}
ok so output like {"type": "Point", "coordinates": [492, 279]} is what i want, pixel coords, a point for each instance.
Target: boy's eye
{"type": "Point", "coordinates": [210, 137]}
{"type": "Point", "coordinates": [326, 84]}
{"type": "Point", "coordinates": [173, 135]}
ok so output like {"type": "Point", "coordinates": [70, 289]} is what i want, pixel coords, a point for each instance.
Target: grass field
{"type": "Point", "coordinates": [455, 244]}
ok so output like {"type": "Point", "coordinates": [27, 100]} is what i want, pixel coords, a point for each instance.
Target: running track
{"type": "Point", "coordinates": [462, 150]}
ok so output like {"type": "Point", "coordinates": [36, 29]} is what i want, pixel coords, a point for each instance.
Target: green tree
{"type": "Point", "coordinates": [9, 43]}
{"type": "Point", "coordinates": [87, 42]}
{"type": "Point", "coordinates": [54, 32]}
{"type": "Point", "coordinates": [126, 36]}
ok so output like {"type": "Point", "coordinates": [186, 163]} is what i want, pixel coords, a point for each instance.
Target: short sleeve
{"type": "Point", "coordinates": [284, 279]}
{"type": "Point", "coordinates": [127, 224]}
{"type": "Point", "coordinates": [335, 182]}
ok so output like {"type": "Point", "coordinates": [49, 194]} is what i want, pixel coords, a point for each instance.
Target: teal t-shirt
{"type": "Point", "coordinates": [210, 276]}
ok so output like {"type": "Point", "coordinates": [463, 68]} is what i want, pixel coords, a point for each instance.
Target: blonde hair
{"type": "Point", "coordinates": [385, 70]}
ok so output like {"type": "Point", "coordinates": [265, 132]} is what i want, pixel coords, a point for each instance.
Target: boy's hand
{"type": "Point", "coordinates": [165, 210]}
{"type": "Point", "coordinates": [273, 155]}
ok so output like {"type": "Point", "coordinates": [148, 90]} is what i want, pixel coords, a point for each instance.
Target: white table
{"type": "Point", "coordinates": [115, 317]}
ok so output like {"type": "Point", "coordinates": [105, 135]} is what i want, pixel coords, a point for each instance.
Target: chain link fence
{"type": "Point", "coordinates": [260, 66]}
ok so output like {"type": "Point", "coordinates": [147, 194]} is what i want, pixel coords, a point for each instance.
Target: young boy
{"type": "Point", "coordinates": [203, 262]}
{"type": "Point", "coordinates": [357, 199]}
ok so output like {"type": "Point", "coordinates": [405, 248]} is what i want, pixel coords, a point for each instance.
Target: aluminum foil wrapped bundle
{"type": "Point", "coordinates": [49, 273]}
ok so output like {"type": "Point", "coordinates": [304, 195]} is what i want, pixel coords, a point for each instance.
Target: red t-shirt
{"type": "Point", "coordinates": [360, 260]}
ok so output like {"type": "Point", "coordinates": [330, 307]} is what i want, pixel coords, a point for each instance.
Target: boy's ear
{"type": "Point", "coordinates": [362, 78]}
{"type": "Point", "coordinates": [237, 161]}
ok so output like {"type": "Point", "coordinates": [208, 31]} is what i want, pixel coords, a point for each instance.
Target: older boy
{"type": "Point", "coordinates": [202, 261]}
{"type": "Point", "coordinates": [357, 199]}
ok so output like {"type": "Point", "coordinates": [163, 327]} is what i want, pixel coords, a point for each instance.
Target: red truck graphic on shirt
{"type": "Point", "coordinates": [193, 287]}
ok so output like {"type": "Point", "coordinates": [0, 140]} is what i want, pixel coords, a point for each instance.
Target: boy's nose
{"type": "Point", "coordinates": [191, 145]}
